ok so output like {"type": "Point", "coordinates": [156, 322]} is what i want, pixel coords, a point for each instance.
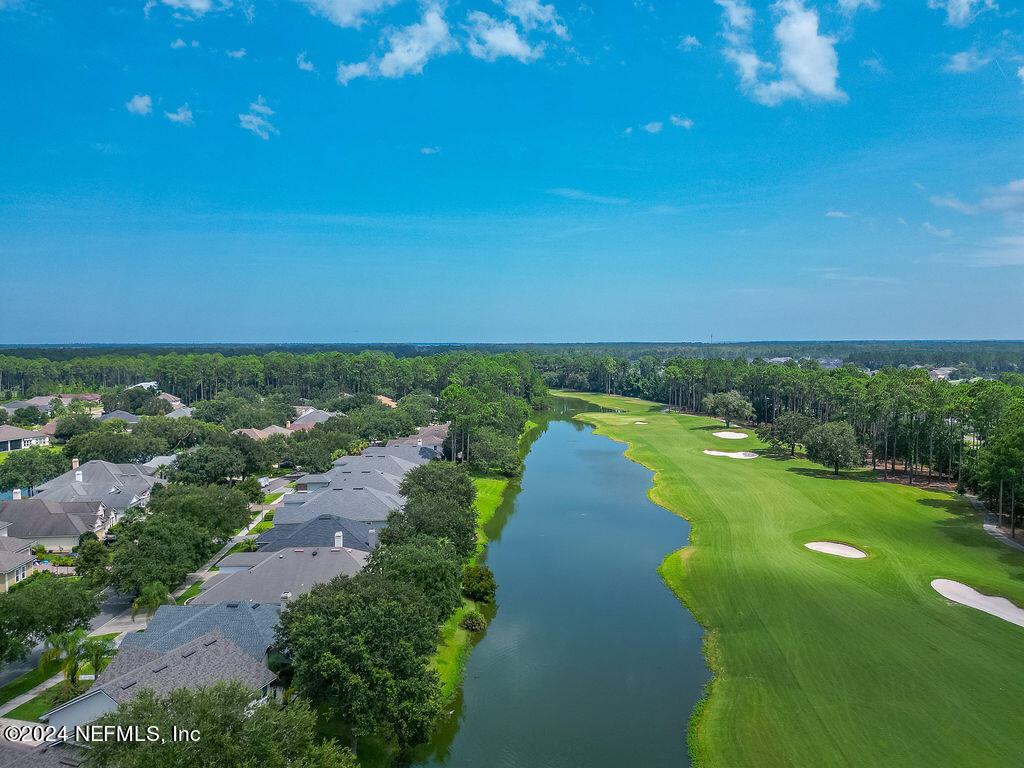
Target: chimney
{"type": "Point", "coordinates": [372, 539]}
{"type": "Point", "coordinates": [419, 442]}
{"type": "Point", "coordinates": [16, 495]}
{"type": "Point", "coordinates": [74, 463]}
{"type": "Point", "coordinates": [339, 539]}
{"type": "Point", "coordinates": [78, 476]}
{"type": "Point", "coordinates": [287, 425]}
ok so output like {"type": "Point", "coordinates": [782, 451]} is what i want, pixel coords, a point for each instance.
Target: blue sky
{"type": "Point", "coordinates": [511, 170]}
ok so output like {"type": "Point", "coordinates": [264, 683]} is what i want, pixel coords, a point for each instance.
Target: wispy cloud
{"type": "Point", "coordinates": [1001, 252]}
{"type": "Point", "coordinates": [182, 115]}
{"type": "Point", "coordinates": [653, 127]}
{"type": "Point", "coordinates": [239, 54]}
{"type": "Point", "coordinates": [303, 63]}
{"type": "Point", "coordinates": [579, 194]}
{"type": "Point", "coordinates": [256, 120]}
{"type": "Point", "coordinates": [837, 215]}
{"type": "Point", "coordinates": [953, 202]}
{"type": "Point", "coordinates": [688, 43]}
{"type": "Point", "coordinates": [347, 13]}
{"type": "Point", "coordinates": [490, 39]}
{"type": "Point", "coordinates": [429, 150]}
{"type": "Point", "coordinates": [960, 13]}
{"type": "Point", "coordinates": [967, 61]}
{"type": "Point", "coordinates": [140, 104]}
{"type": "Point", "coordinates": [850, 7]}
{"type": "Point", "coordinates": [931, 229]}
{"type": "Point", "coordinates": [681, 122]}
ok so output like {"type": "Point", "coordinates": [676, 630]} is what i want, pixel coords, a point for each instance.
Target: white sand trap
{"type": "Point", "coordinates": [835, 548]}
{"type": "Point", "coordinates": [639, 422]}
{"type": "Point", "coordinates": [733, 454]}
{"type": "Point", "coordinates": [972, 598]}
{"type": "Point", "coordinates": [731, 435]}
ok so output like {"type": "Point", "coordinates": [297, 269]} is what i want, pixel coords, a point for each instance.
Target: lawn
{"type": "Point", "coordinates": [28, 681]}
{"type": "Point", "coordinates": [189, 593]}
{"type": "Point", "coordinates": [820, 660]}
{"type": "Point", "coordinates": [32, 709]}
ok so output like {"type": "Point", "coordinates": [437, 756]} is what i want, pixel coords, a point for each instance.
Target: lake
{"type": "Point", "coordinates": [589, 659]}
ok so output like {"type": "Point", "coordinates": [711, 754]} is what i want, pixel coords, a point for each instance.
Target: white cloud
{"type": "Point", "coordinates": [1020, 74]}
{"type": "Point", "coordinates": [837, 215]}
{"type": "Point", "coordinates": [193, 8]}
{"type": "Point", "coordinates": [875, 64]}
{"type": "Point", "coordinates": [960, 13]}
{"type": "Point", "coordinates": [182, 115]}
{"type": "Point", "coordinates": [412, 47]}
{"type": "Point", "coordinates": [967, 61]}
{"type": "Point", "coordinates": [681, 122]}
{"type": "Point", "coordinates": [578, 194]}
{"type": "Point", "coordinates": [850, 7]}
{"type": "Point", "coordinates": [429, 150]}
{"type": "Point", "coordinates": [808, 63]}
{"type": "Point", "coordinates": [179, 43]}
{"type": "Point", "coordinates": [255, 120]}
{"type": "Point", "coordinates": [140, 104]}
{"type": "Point", "coordinates": [652, 127]}
{"type": "Point", "coordinates": [688, 43]}
{"type": "Point", "coordinates": [347, 13]}
{"type": "Point", "coordinates": [738, 15]}
{"type": "Point", "coordinates": [533, 14]}
{"type": "Point", "coordinates": [1001, 252]}
{"type": "Point", "coordinates": [931, 229]}
{"type": "Point", "coordinates": [303, 63]}
{"type": "Point", "coordinates": [490, 39]}
{"type": "Point", "coordinates": [953, 202]}
{"type": "Point", "coordinates": [349, 72]}
{"type": "Point", "coordinates": [239, 54]}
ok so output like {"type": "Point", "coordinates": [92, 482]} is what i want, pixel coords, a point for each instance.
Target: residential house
{"type": "Point", "coordinates": [117, 486]}
{"type": "Point", "coordinates": [16, 438]}
{"type": "Point", "coordinates": [15, 557]}
{"type": "Point", "coordinates": [182, 412]}
{"type": "Point", "coordinates": [432, 436]}
{"type": "Point", "coordinates": [56, 525]}
{"type": "Point", "coordinates": [211, 658]}
{"type": "Point", "coordinates": [276, 577]}
{"type": "Point", "coordinates": [129, 418]}
{"type": "Point", "coordinates": [414, 454]}
{"type": "Point", "coordinates": [248, 625]}
{"type": "Point", "coordinates": [261, 434]}
{"type": "Point", "coordinates": [312, 416]}
{"type": "Point", "coordinates": [322, 531]}
{"type": "Point", "coordinates": [172, 400]}
{"type": "Point", "coordinates": [362, 503]}
{"type": "Point", "coordinates": [14, 405]}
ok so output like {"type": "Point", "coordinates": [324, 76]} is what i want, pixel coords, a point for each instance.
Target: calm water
{"type": "Point", "coordinates": [589, 660]}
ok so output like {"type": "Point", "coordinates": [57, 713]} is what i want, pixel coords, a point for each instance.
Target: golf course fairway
{"type": "Point", "coordinates": [822, 660]}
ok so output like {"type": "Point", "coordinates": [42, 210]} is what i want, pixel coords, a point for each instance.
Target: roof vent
{"type": "Point", "coordinates": [314, 553]}
{"type": "Point", "coordinates": [324, 517]}
{"type": "Point", "coordinates": [128, 685]}
{"type": "Point", "coordinates": [188, 653]}
{"type": "Point", "coordinates": [208, 643]}
{"type": "Point", "coordinates": [78, 475]}
{"type": "Point", "coordinates": [232, 605]}
{"type": "Point", "coordinates": [286, 595]}
{"type": "Point", "coordinates": [160, 669]}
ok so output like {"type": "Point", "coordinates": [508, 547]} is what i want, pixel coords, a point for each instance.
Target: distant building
{"type": "Point", "coordinates": [431, 437]}
{"type": "Point", "coordinates": [16, 438]}
{"type": "Point", "coordinates": [322, 531]}
{"type": "Point", "coordinates": [129, 418]}
{"type": "Point", "coordinates": [172, 400]}
{"type": "Point", "coordinates": [180, 412]}
{"type": "Point", "coordinates": [261, 434]}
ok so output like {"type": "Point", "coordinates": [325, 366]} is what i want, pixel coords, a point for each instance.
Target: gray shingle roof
{"type": "Point", "coordinates": [314, 416]}
{"type": "Point", "coordinates": [386, 463]}
{"type": "Point", "coordinates": [432, 436]}
{"type": "Point", "coordinates": [286, 571]}
{"type": "Point", "coordinates": [208, 659]}
{"type": "Point", "coordinates": [117, 486]}
{"type": "Point", "coordinates": [318, 532]}
{"type": "Point", "coordinates": [14, 405]}
{"type": "Point", "coordinates": [8, 432]}
{"type": "Point", "coordinates": [367, 505]}
{"type": "Point", "coordinates": [248, 625]}
{"type": "Point", "coordinates": [131, 418]}
{"type": "Point", "coordinates": [178, 413]}
{"type": "Point", "coordinates": [35, 517]}
{"type": "Point", "coordinates": [15, 755]}
{"type": "Point", "coordinates": [415, 454]}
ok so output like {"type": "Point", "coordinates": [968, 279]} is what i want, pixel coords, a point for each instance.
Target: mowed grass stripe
{"type": "Point", "coordinates": [820, 660]}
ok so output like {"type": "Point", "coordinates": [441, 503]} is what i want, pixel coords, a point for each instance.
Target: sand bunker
{"type": "Point", "coordinates": [972, 598]}
{"type": "Point", "coordinates": [731, 435]}
{"type": "Point", "coordinates": [733, 454]}
{"type": "Point", "coordinates": [639, 422]}
{"type": "Point", "coordinates": [835, 548]}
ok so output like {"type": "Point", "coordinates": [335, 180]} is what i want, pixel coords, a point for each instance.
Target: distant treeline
{"type": "Point", "coordinates": [982, 356]}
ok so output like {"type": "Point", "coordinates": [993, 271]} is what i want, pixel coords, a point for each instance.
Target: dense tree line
{"type": "Point", "coordinates": [904, 422]}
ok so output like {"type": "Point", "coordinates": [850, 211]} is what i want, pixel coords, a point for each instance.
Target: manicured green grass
{"type": "Point", "coordinates": [189, 593]}
{"type": "Point", "coordinates": [820, 660]}
{"type": "Point", "coordinates": [260, 527]}
{"type": "Point", "coordinates": [270, 498]}
{"type": "Point", "coordinates": [28, 681]}
{"type": "Point", "coordinates": [34, 708]}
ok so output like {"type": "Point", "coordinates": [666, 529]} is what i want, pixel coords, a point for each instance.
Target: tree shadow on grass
{"type": "Point", "coordinates": [858, 475]}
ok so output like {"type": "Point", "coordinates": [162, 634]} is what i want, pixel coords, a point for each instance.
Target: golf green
{"type": "Point", "coordinates": [822, 660]}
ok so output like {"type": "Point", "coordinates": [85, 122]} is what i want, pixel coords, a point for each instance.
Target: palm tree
{"type": "Point", "coordinates": [97, 650]}
{"type": "Point", "coordinates": [152, 597]}
{"type": "Point", "coordinates": [67, 647]}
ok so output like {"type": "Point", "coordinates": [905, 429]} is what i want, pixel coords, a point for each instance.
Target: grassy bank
{"type": "Point", "coordinates": [820, 660]}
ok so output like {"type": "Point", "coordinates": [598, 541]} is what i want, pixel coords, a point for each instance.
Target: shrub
{"type": "Point", "coordinates": [478, 583]}
{"type": "Point", "coordinates": [474, 622]}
